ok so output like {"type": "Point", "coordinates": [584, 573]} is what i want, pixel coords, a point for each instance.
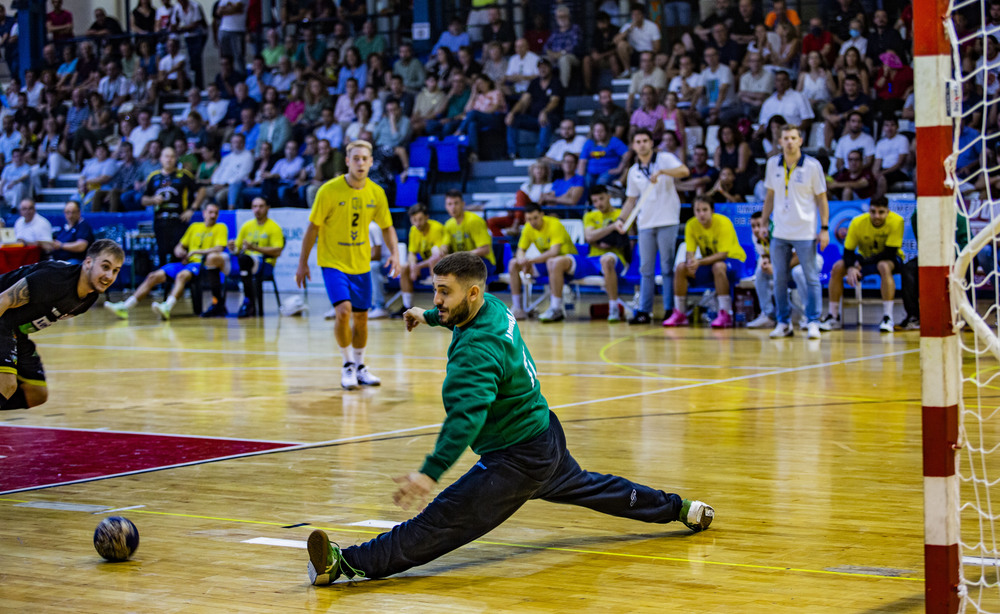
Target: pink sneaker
{"type": "Point", "coordinates": [677, 318]}
{"type": "Point", "coordinates": [723, 320]}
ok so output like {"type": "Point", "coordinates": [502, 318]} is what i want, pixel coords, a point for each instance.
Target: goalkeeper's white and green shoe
{"type": "Point", "coordinates": [696, 515]}
{"type": "Point", "coordinates": [117, 308]}
{"type": "Point", "coordinates": [326, 563]}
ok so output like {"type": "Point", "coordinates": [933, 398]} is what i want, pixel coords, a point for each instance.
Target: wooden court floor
{"type": "Point", "coordinates": [809, 452]}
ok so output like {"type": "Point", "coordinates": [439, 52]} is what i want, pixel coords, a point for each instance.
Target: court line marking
{"type": "Point", "coordinates": [150, 433]}
{"type": "Point", "coordinates": [120, 509]}
{"type": "Point", "coordinates": [204, 461]}
{"type": "Point", "coordinates": [627, 555]}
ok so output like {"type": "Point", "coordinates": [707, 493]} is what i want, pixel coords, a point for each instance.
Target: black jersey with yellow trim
{"type": "Point", "coordinates": [175, 188]}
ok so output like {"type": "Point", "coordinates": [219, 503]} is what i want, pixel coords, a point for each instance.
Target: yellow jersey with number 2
{"type": "Point", "coordinates": [342, 214]}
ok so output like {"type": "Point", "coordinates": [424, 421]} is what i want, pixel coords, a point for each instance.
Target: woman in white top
{"type": "Point", "coordinates": [763, 45]}
{"type": "Point", "coordinates": [787, 54]}
{"type": "Point", "coordinates": [816, 83]}
{"type": "Point", "coordinates": [539, 182]}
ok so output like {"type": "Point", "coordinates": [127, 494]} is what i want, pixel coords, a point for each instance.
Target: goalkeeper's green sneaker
{"type": "Point", "coordinates": [696, 515]}
{"type": "Point", "coordinates": [326, 562]}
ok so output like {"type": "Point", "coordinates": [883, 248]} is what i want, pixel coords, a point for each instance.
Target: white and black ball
{"type": "Point", "coordinates": [116, 538]}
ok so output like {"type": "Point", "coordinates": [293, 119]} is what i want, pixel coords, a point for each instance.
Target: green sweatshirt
{"type": "Point", "coordinates": [491, 391]}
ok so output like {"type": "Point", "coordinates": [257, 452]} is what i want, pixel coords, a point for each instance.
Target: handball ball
{"type": "Point", "coordinates": [116, 538]}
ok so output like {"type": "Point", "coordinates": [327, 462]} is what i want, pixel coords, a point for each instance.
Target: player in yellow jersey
{"type": "Point", "coordinates": [339, 219]}
{"type": "Point", "coordinates": [258, 245]}
{"type": "Point", "coordinates": [609, 248]}
{"type": "Point", "coordinates": [878, 238]}
{"type": "Point", "coordinates": [467, 232]}
{"type": "Point", "coordinates": [721, 261]}
{"type": "Point", "coordinates": [558, 254]}
{"type": "Point", "coordinates": [425, 246]}
{"type": "Point", "coordinates": [203, 243]}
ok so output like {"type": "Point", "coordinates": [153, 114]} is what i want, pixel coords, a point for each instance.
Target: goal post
{"type": "Point", "coordinates": [940, 360]}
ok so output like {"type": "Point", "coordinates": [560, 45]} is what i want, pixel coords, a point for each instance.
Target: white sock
{"type": "Point", "coordinates": [516, 301]}
{"type": "Point", "coordinates": [359, 356]}
{"type": "Point", "coordinates": [887, 308]}
{"type": "Point", "coordinates": [130, 302]}
{"type": "Point", "coordinates": [407, 299]}
{"type": "Point", "coordinates": [556, 303]}
{"type": "Point", "coordinates": [835, 309]}
{"type": "Point", "coordinates": [170, 302]}
{"type": "Point", "coordinates": [348, 354]}
{"type": "Point", "coordinates": [726, 303]}
{"type": "Point", "coordinates": [679, 303]}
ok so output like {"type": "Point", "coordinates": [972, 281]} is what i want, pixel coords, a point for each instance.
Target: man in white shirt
{"type": "Point", "coordinates": [188, 20]}
{"type": "Point", "coordinates": [114, 87]}
{"type": "Point", "coordinates": [568, 142]}
{"type": "Point", "coordinates": [228, 178]}
{"type": "Point", "coordinates": [756, 85]}
{"type": "Point", "coordinates": [522, 67]}
{"type": "Point", "coordinates": [329, 130]}
{"type": "Point", "coordinates": [788, 103]}
{"type": "Point", "coordinates": [194, 103]}
{"type": "Point", "coordinates": [10, 139]}
{"type": "Point", "coordinates": [718, 100]}
{"type": "Point", "coordinates": [648, 74]}
{"type": "Point", "coordinates": [31, 228]}
{"type": "Point", "coordinates": [280, 182]}
{"type": "Point", "coordinates": [217, 106]}
{"type": "Point", "coordinates": [33, 88]}
{"type": "Point", "coordinates": [892, 153]}
{"type": "Point", "coordinates": [142, 134]}
{"type": "Point", "coordinates": [658, 219]}
{"type": "Point", "coordinates": [687, 84]}
{"type": "Point", "coordinates": [857, 40]}
{"type": "Point", "coordinates": [854, 138]}
{"type": "Point", "coordinates": [233, 31]}
{"type": "Point", "coordinates": [173, 68]}
{"type": "Point", "coordinates": [637, 36]}
{"type": "Point", "coordinates": [796, 192]}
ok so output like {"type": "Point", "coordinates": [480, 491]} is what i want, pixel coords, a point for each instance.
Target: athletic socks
{"type": "Point", "coordinates": [887, 308]}
{"type": "Point", "coordinates": [835, 309]}
{"type": "Point", "coordinates": [218, 290]}
{"type": "Point", "coordinates": [680, 302]}
{"type": "Point", "coordinates": [348, 354]}
{"type": "Point", "coordinates": [726, 303]}
{"type": "Point", "coordinates": [516, 301]}
{"type": "Point", "coordinates": [359, 356]}
{"type": "Point", "coordinates": [556, 302]}
{"type": "Point", "coordinates": [130, 302]}
{"type": "Point", "coordinates": [170, 302]}
{"type": "Point", "coordinates": [407, 299]}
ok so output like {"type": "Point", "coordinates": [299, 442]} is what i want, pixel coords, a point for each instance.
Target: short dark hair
{"type": "Point", "coordinates": [881, 201]}
{"type": "Point", "coordinates": [466, 267]}
{"type": "Point", "coordinates": [701, 198]}
{"type": "Point", "coordinates": [641, 131]}
{"type": "Point", "coordinates": [853, 113]}
{"type": "Point", "coordinates": [531, 208]}
{"type": "Point", "coordinates": [454, 193]}
{"type": "Point", "coordinates": [756, 215]}
{"type": "Point", "coordinates": [598, 189]}
{"type": "Point", "coordinates": [638, 7]}
{"type": "Point", "coordinates": [789, 127]}
{"type": "Point", "coordinates": [417, 208]}
{"type": "Point", "coordinates": [851, 78]}
{"type": "Point", "coordinates": [100, 246]}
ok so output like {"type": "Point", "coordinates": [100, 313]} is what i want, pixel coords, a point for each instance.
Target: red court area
{"type": "Point", "coordinates": [33, 457]}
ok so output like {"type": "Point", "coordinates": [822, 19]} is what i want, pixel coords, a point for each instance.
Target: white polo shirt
{"type": "Point", "coordinates": [889, 151]}
{"type": "Point", "coordinates": [795, 210]}
{"type": "Point", "coordinates": [663, 207]}
{"type": "Point", "coordinates": [792, 105]}
{"type": "Point", "coordinates": [642, 38]}
{"type": "Point", "coordinates": [524, 67]}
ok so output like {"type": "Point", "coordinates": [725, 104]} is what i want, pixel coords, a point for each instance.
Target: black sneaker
{"type": "Point", "coordinates": [247, 310]}
{"type": "Point", "coordinates": [640, 317]}
{"type": "Point", "coordinates": [398, 314]}
{"type": "Point", "coordinates": [217, 310]}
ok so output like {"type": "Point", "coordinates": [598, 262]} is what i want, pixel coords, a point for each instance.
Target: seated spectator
{"type": "Point", "coordinates": [31, 228]}
{"type": "Point", "coordinates": [531, 191]}
{"type": "Point", "coordinates": [673, 118]}
{"type": "Point", "coordinates": [747, 18]}
{"type": "Point", "coordinates": [854, 139]}
{"type": "Point", "coordinates": [569, 191]}
{"type": "Point", "coordinates": [283, 77]}
{"type": "Point", "coordinates": [15, 180]}
{"type": "Point", "coordinates": [892, 154]}
{"type": "Point", "coordinates": [495, 65]}
{"type": "Point", "coordinates": [730, 52]}
{"type": "Point", "coordinates": [466, 231]}
{"type": "Point", "coordinates": [635, 37]}
{"type": "Point", "coordinates": [227, 180]}
{"type": "Point", "coordinates": [564, 47]}
{"type": "Point", "coordinates": [258, 79]}
{"type": "Point", "coordinates": [362, 122]}
{"type": "Point", "coordinates": [254, 186]}
{"type": "Point", "coordinates": [274, 127]}
{"type": "Point", "coordinates": [398, 93]}
{"type": "Point", "coordinates": [702, 175]}
{"type": "Point", "coordinates": [650, 115]}
{"type": "Point", "coordinates": [733, 152]}
{"type": "Point", "coordinates": [786, 56]}
{"type": "Point", "coordinates": [856, 181]}
{"type": "Point", "coordinates": [467, 63]}
{"type": "Point", "coordinates": [788, 103]}
{"type": "Point", "coordinates": [688, 87]}
{"type": "Point", "coordinates": [353, 68]}
{"type": "Point", "coordinates": [128, 183]}
{"type": "Point", "coordinates": [343, 113]}
{"type": "Point", "coordinates": [326, 165]}
{"type": "Point", "coordinates": [882, 38]}
{"type": "Point", "coordinates": [497, 30]}
{"type": "Point", "coordinates": [66, 74]}
{"type": "Point", "coordinates": [873, 245]}
{"type": "Point", "coordinates": [430, 103]}
{"type": "Point", "coordinates": [273, 48]}
{"type": "Point", "coordinates": [721, 261]}
{"type": "Point", "coordinates": [856, 40]}
{"type": "Point", "coordinates": [781, 14]}
{"type": "Point", "coordinates": [339, 41]}
{"type": "Point", "coordinates": [310, 52]}
{"type": "Point", "coordinates": [169, 131]}
{"type": "Point", "coordinates": [765, 43]}
{"type": "Point", "coordinates": [95, 178]}
{"type": "Point", "coordinates": [70, 241]}
{"type": "Point", "coordinates": [217, 107]}
{"type": "Point", "coordinates": [257, 247]}
{"type": "Point", "coordinates": [851, 65]}
{"type": "Point", "coordinates": [816, 83]}
{"type": "Point", "coordinates": [522, 67]}
{"type": "Point", "coordinates": [281, 182]}
{"type": "Point", "coordinates": [648, 74]}
{"type": "Point", "coordinates": [603, 51]}
{"type": "Point", "coordinates": [894, 81]}
{"type": "Point", "coordinates": [443, 64]}
{"type": "Point", "coordinates": [558, 255]}
{"type": "Point", "coordinates": [316, 99]}
{"type": "Point", "coordinates": [853, 100]}
{"type": "Point", "coordinates": [672, 144]}
{"type": "Point", "coordinates": [603, 158]}
{"type": "Point", "coordinates": [568, 141]}
{"type": "Point", "coordinates": [114, 87]}
{"type": "Point", "coordinates": [392, 134]}
{"type": "Point", "coordinates": [458, 97]}
{"type": "Point", "coordinates": [203, 245]}
{"type": "Point", "coordinates": [53, 154]}
{"type": "Point", "coordinates": [409, 69]}
{"type": "Point", "coordinates": [614, 117]}
{"type": "Point", "coordinates": [840, 15]}
{"type": "Point", "coordinates": [453, 38]}
{"type": "Point", "coordinates": [537, 33]}
{"type": "Point", "coordinates": [424, 246]}
{"type": "Point", "coordinates": [718, 100]}
{"type": "Point", "coordinates": [724, 190]}
{"type": "Point", "coordinates": [145, 132]}
{"type": "Point", "coordinates": [10, 138]}
{"type": "Point", "coordinates": [609, 248]}
{"type": "Point", "coordinates": [250, 129]}
{"type": "Point", "coordinates": [538, 110]}
{"type": "Point", "coordinates": [820, 40]}
{"type": "Point", "coordinates": [483, 113]}
{"type": "Point", "coordinates": [173, 68]}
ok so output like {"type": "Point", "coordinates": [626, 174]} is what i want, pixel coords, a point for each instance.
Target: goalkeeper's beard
{"type": "Point", "coordinates": [456, 315]}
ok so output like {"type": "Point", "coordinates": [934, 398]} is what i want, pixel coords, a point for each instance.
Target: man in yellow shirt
{"type": "Point", "coordinates": [878, 238]}
{"type": "Point", "coordinates": [339, 219]}
{"type": "Point", "coordinates": [557, 253]}
{"type": "Point", "coordinates": [203, 243]}
{"type": "Point", "coordinates": [722, 258]}
{"type": "Point", "coordinates": [258, 245]}
{"type": "Point", "coordinates": [609, 248]}
{"type": "Point", "coordinates": [467, 232]}
{"type": "Point", "coordinates": [425, 245]}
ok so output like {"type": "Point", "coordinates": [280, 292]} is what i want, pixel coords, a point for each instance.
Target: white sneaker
{"type": "Point", "coordinates": [162, 310]}
{"type": "Point", "coordinates": [828, 322]}
{"type": "Point", "coordinates": [552, 315]}
{"type": "Point", "coordinates": [518, 313]}
{"type": "Point", "coordinates": [349, 377]}
{"type": "Point", "coordinates": [887, 325]}
{"type": "Point", "coordinates": [614, 314]}
{"type": "Point", "coordinates": [803, 323]}
{"type": "Point", "coordinates": [376, 313]}
{"type": "Point", "coordinates": [117, 308]}
{"type": "Point", "coordinates": [782, 330]}
{"type": "Point", "coordinates": [365, 378]}
{"type": "Point", "coordinates": [813, 333]}
{"type": "Point", "coordinates": [330, 315]}
{"type": "Point", "coordinates": [761, 321]}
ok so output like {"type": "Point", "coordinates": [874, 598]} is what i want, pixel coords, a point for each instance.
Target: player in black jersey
{"type": "Point", "coordinates": [37, 296]}
{"type": "Point", "coordinates": [171, 190]}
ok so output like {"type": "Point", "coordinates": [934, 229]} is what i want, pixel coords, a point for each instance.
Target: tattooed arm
{"type": "Point", "coordinates": [13, 297]}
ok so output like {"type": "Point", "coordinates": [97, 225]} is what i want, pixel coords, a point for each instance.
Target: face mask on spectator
{"type": "Point", "coordinates": [855, 33]}
{"type": "Point", "coordinates": [816, 30]}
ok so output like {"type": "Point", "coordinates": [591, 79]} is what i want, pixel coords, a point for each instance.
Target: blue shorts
{"type": "Point", "coordinates": [704, 276]}
{"type": "Point", "coordinates": [342, 287]}
{"type": "Point", "coordinates": [426, 272]}
{"type": "Point", "coordinates": [872, 269]}
{"type": "Point", "coordinates": [173, 269]}
{"type": "Point", "coordinates": [592, 266]}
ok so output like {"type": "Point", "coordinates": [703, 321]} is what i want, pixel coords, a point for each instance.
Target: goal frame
{"type": "Point", "coordinates": [940, 358]}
